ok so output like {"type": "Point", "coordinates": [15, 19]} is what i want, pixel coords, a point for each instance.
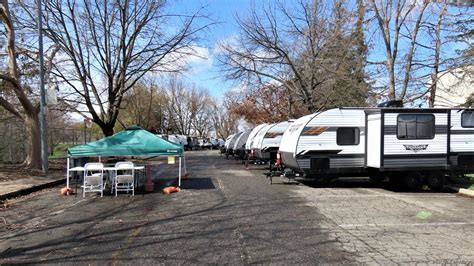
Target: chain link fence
{"type": "Point", "coordinates": [13, 140]}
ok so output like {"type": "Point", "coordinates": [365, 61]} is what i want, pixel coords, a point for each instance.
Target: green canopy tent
{"type": "Point", "coordinates": [133, 141]}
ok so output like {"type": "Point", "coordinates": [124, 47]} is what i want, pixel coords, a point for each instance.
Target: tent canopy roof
{"type": "Point", "coordinates": [133, 141]}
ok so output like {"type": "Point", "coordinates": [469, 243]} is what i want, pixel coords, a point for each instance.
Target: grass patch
{"type": "Point", "coordinates": [466, 181]}
{"type": "Point", "coordinates": [60, 151]}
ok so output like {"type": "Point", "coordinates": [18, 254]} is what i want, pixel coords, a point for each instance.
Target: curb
{"type": "Point", "coordinates": [29, 190]}
{"type": "Point", "coordinates": [462, 191]}
{"type": "Point", "coordinates": [466, 192]}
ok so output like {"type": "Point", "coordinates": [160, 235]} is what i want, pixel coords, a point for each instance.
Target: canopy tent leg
{"type": "Point", "coordinates": [67, 173]}
{"type": "Point", "coordinates": [99, 159]}
{"type": "Point", "coordinates": [184, 162]}
{"type": "Point", "coordinates": [179, 175]}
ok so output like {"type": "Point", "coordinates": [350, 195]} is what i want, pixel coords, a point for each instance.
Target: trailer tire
{"type": "Point", "coordinates": [436, 181]}
{"type": "Point", "coordinates": [413, 180]}
{"type": "Point", "coordinates": [377, 178]}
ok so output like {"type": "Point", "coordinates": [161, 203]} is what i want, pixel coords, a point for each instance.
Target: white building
{"type": "Point", "coordinates": [454, 87]}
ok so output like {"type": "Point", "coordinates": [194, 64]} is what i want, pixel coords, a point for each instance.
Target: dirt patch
{"type": "Point", "coordinates": [10, 172]}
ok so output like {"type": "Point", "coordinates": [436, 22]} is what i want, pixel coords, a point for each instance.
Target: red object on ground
{"type": "Point", "coordinates": [171, 189]}
{"type": "Point", "coordinates": [66, 191]}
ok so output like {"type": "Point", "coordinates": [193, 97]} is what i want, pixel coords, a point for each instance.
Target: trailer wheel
{"type": "Point", "coordinates": [377, 178]}
{"type": "Point", "coordinates": [413, 180]}
{"type": "Point", "coordinates": [436, 181]}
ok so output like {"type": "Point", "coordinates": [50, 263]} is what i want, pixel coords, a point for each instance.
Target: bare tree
{"type": "Point", "coordinates": [179, 106]}
{"type": "Point", "coordinates": [396, 20]}
{"type": "Point", "coordinates": [15, 90]}
{"type": "Point", "coordinates": [108, 46]}
{"type": "Point", "coordinates": [304, 47]}
{"type": "Point", "coordinates": [144, 105]}
{"type": "Point", "coordinates": [435, 73]}
{"type": "Point", "coordinates": [418, 38]}
{"type": "Point", "coordinates": [201, 107]}
{"type": "Point", "coordinates": [224, 122]}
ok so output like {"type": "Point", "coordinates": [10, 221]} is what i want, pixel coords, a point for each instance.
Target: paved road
{"type": "Point", "coordinates": [226, 214]}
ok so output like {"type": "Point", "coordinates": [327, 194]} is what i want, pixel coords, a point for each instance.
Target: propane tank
{"type": "Point", "coordinates": [278, 158]}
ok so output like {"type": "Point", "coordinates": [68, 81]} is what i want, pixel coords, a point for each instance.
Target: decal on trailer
{"type": "Point", "coordinates": [415, 148]}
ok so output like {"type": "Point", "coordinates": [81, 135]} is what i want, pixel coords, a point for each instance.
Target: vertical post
{"type": "Point", "coordinates": [43, 106]}
{"type": "Point", "coordinates": [179, 175]}
{"type": "Point", "coordinates": [85, 132]}
{"type": "Point", "coordinates": [184, 162]}
{"type": "Point", "coordinates": [67, 174]}
{"type": "Point", "coordinates": [10, 136]}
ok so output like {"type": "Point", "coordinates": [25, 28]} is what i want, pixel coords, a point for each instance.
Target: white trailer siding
{"type": "Point", "coordinates": [271, 139]}
{"type": "Point", "coordinates": [319, 139]}
{"type": "Point", "coordinates": [315, 136]}
{"type": "Point", "coordinates": [414, 153]}
{"type": "Point", "coordinates": [462, 138]}
{"type": "Point", "coordinates": [227, 141]}
{"type": "Point", "coordinates": [253, 133]}
{"type": "Point", "coordinates": [373, 140]}
{"type": "Point", "coordinates": [233, 140]}
{"type": "Point", "coordinates": [240, 142]}
{"type": "Point", "coordinates": [257, 141]}
{"type": "Point", "coordinates": [289, 141]}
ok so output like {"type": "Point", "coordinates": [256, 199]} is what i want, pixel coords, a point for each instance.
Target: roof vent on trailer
{"type": "Point", "coordinates": [396, 103]}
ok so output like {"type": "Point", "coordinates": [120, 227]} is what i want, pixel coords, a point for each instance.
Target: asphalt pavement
{"type": "Point", "coordinates": [228, 214]}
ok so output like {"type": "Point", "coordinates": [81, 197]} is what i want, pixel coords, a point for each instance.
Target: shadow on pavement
{"type": "Point", "coordinates": [198, 183]}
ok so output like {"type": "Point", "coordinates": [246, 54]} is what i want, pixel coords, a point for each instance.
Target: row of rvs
{"type": "Point", "coordinates": [408, 146]}
{"type": "Point", "coordinates": [193, 143]}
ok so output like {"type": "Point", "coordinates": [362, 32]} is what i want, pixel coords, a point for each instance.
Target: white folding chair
{"type": "Point", "coordinates": [93, 178]}
{"type": "Point", "coordinates": [124, 177]}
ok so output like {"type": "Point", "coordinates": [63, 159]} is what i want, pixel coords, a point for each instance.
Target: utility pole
{"type": "Point", "coordinates": [43, 106]}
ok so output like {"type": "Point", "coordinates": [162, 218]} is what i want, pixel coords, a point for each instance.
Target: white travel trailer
{"type": "Point", "coordinates": [422, 145]}
{"type": "Point", "coordinates": [267, 141]}
{"type": "Point", "coordinates": [221, 142]}
{"type": "Point", "coordinates": [230, 145]}
{"type": "Point", "coordinates": [252, 135]}
{"type": "Point", "coordinates": [214, 143]}
{"type": "Point", "coordinates": [226, 143]}
{"type": "Point", "coordinates": [415, 146]}
{"type": "Point", "coordinates": [329, 142]}
{"type": "Point", "coordinates": [239, 146]}
{"type": "Point", "coordinates": [178, 139]}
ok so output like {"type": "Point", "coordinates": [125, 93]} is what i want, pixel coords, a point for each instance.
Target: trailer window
{"type": "Point", "coordinates": [415, 126]}
{"type": "Point", "coordinates": [348, 136]}
{"type": "Point", "coordinates": [467, 119]}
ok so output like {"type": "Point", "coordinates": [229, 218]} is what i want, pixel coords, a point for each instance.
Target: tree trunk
{"type": "Point", "coordinates": [107, 129]}
{"type": "Point", "coordinates": [33, 141]}
{"type": "Point", "coordinates": [437, 55]}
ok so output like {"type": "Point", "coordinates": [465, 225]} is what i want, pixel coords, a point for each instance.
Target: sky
{"type": "Point", "coordinates": [204, 72]}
